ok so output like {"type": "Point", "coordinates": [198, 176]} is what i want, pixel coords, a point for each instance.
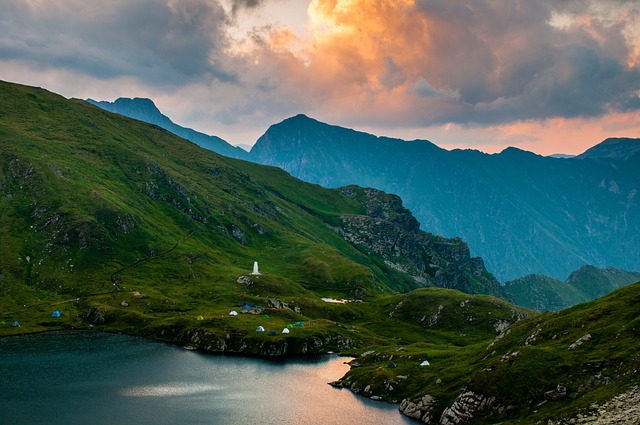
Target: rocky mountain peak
{"type": "Point", "coordinates": [621, 148]}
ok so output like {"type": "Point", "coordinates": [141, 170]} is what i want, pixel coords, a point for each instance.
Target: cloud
{"type": "Point", "coordinates": [472, 62]}
{"type": "Point", "coordinates": [237, 5]}
{"type": "Point", "coordinates": [228, 66]}
{"type": "Point", "coordinates": [161, 42]}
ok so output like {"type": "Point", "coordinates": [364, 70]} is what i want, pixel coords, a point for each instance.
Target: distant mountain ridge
{"type": "Point", "coordinates": [621, 148]}
{"type": "Point", "coordinates": [521, 212]}
{"type": "Point", "coordinates": [144, 109]}
{"type": "Point", "coordinates": [542, 293]}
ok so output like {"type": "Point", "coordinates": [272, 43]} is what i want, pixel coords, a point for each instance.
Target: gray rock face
{"type": "Point", "coordinates": [209, 341]}
{"type": "Point", "coordinates": [422, 409]}
{"type": "Point", "coordinates": [580, 341]}
{"type": "Point", "coordinates": [463, 410]}
{"type": "Point", "coordinates": [95, 316]}
{"type": "Point", "coordinates": [392, 232]}
{"type": "Point", "coordinates": [465, 407]}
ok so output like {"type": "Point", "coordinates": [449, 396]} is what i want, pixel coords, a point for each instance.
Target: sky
{"type": "Point", "coordinates": [548, 76]}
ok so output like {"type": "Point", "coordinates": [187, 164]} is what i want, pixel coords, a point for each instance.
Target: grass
{"type": "Point", "coordinates": [126, 228]}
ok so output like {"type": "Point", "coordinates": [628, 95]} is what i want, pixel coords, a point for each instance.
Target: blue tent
{"type": "Point", "coordinates": [15, 324]}
{"type": "Point", "coordinates": [56, 313]}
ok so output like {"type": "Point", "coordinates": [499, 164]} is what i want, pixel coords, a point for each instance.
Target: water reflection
{"type": "Point", "coordinates": [97, 378]}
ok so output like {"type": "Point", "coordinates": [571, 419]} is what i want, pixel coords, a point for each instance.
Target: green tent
{"type": "Point", "coordinates": [273, 333]}
{"type": "Point", "coordinates": [298, 324]}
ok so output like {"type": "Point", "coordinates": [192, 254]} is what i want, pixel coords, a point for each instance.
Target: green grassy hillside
{"type": "Point", "coordinates": [545, 367]}
{"type": "Point", "coordinates": [96, 207]}
{"type": "Point", "coordinates": [124, 227]}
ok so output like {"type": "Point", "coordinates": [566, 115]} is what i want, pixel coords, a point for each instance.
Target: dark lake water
{"type": "Point", "coordinates": [98, 378]}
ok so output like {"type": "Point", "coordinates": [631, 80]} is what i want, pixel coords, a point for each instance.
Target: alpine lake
{"type": "Point", "coordinates": [100, 378]}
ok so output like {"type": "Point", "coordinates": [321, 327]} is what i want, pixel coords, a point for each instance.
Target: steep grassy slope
{"type": "Point", "coordinates": [96, 207]}
{"type": "Point", "coordinates": [520, 212]}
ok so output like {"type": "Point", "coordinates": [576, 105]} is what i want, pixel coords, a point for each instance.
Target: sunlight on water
{"type": "Point", "coordinates": [104, 379]}
{"type": "Point", "coordinates": [168, 390]}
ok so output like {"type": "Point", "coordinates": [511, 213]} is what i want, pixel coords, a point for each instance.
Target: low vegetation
{"type": "Point", "coordinates": [123, 227]}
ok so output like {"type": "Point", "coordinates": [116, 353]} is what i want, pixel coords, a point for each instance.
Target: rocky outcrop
{"type": "Point", "coordinates": [389, 230]}
{"type": "Point", "coordinates": [580, 341]}
{"type": "Point", "coordinates": [422, 409]}
{"type": "Point", "coordinates": [466, 407]}
{"type": "Point", "coordinates": [235, 342]}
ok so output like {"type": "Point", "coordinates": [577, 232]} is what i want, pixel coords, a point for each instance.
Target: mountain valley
{"type": "Point", "coordinates": [522, 213]}
{"type": "Point", "coordinates": [125, 227]}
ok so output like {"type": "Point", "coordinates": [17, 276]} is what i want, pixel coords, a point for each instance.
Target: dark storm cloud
{"type": "Point", "coordinates": [507, 62]}
{"type": "Point", "coordinates": [163, 42]}
{"type": "Point", "coordinates": [238, 5]}
{"type": "Point", "coordinates": [388, 63]}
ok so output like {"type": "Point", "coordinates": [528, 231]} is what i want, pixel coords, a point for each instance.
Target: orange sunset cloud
{"type": "Point", "coordinates": [511, 71]}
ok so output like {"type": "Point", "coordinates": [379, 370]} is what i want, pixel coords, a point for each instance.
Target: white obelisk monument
{"type": "Point", "coordinates": [255, 269]}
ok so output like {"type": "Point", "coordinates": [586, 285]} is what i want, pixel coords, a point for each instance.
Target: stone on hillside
{"type": "Point", "coordinates": [580, 341]}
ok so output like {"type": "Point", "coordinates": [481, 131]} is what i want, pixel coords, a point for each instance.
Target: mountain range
{"type": "Point", "coordinates": [621, 148]}
{"type": "Point", "coordinates": [544, 293]}
{"type": "Point", "coordinates": [125, 227]}
{"type": "Point", "coordinates": [521, 212]}
{"type": "Point", "coordinates": [145, 110]}
{"type": "Point", "coordinates": [91, 199]}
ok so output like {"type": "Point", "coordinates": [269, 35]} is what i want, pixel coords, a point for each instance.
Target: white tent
{"type": "Point", "coordinates": [285, 331]}
{"type": "Point", "coordinates": [425, 363]}
{"type": "Point", "coordinates": [233, 313]}
{"type": "Point", "coordinates": [259, 329]}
